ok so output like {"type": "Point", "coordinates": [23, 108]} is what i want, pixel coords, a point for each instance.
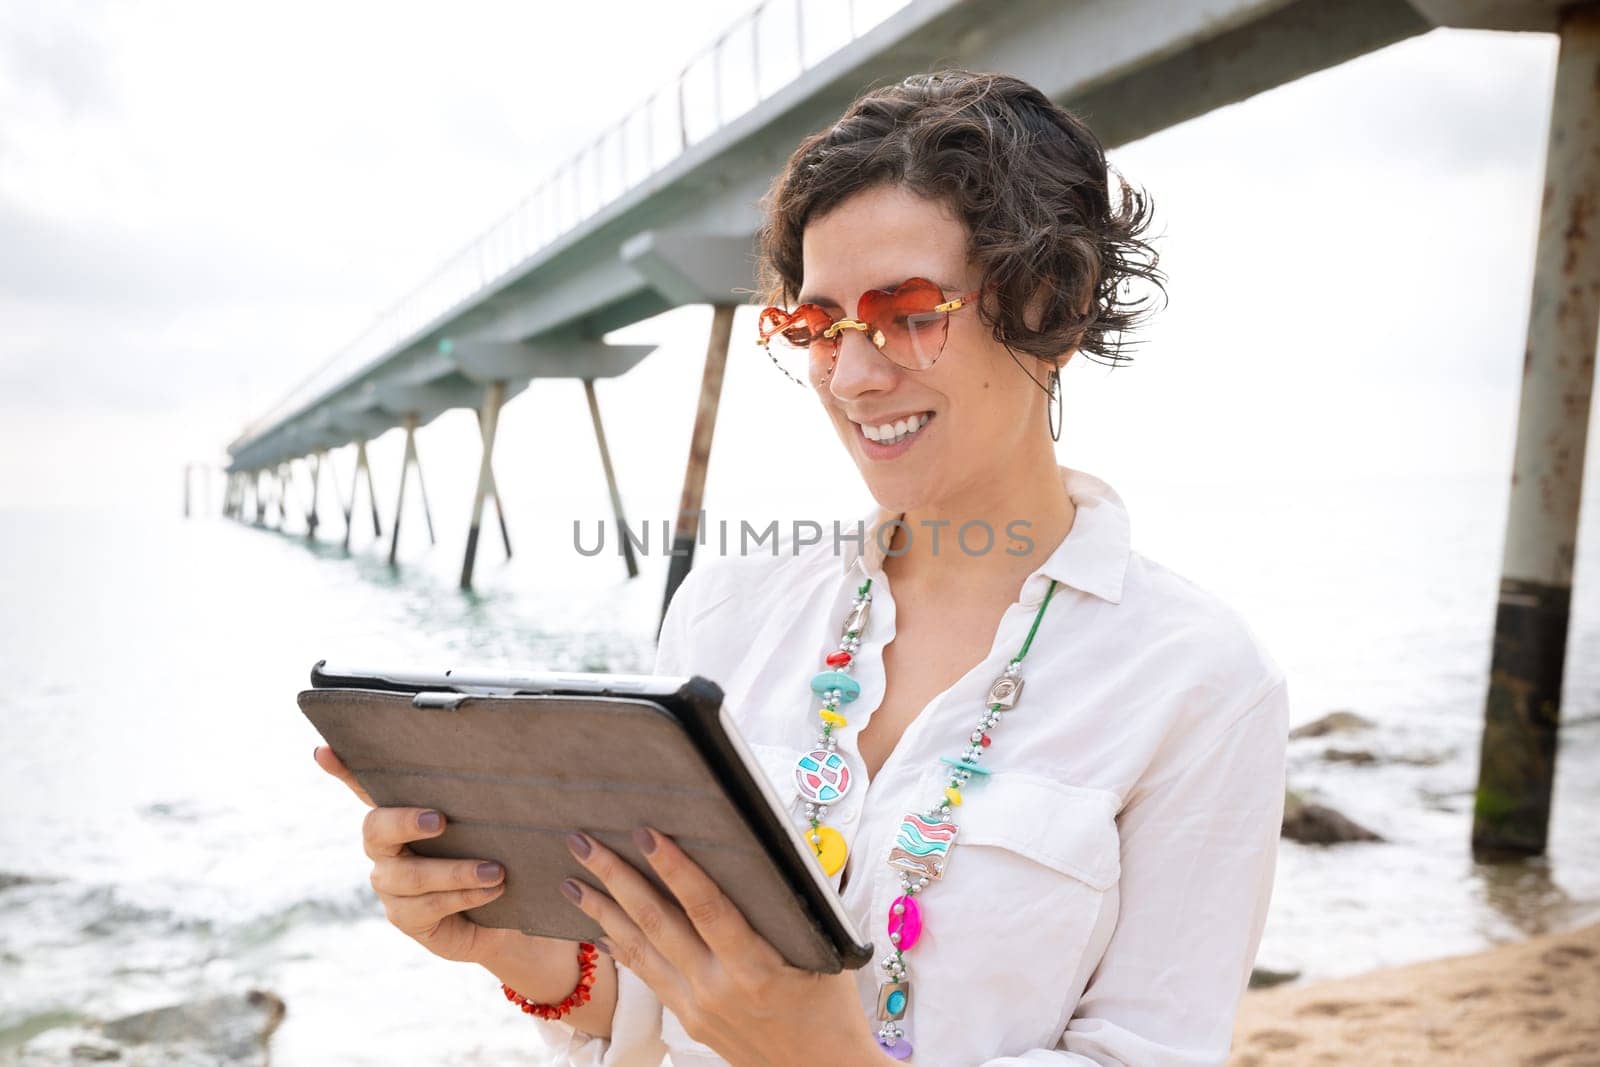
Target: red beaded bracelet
{"type": "Point", "coordinates": [579, 994]}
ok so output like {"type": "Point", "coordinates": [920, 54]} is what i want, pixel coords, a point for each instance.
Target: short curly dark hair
{"type": "Point", "coordinates": [1026, 176]}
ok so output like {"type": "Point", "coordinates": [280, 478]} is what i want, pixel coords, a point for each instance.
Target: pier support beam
{"type": "Point", "coordinates": [314, 461]}
{"type": "Point", "coordinates": [280, 495]}
{"type": "Point", "coordinates": [406, 462]}
{"type": "Point", "coordinates": [494, 494]}
{"type": "Point", "coordinates": [355, 494]}
{"type": "Point", "coordinates": [687, 527]}
{"type": "Point", "coordinates": [488, 421]}
{"type": "Point", "coordinates": [338, 497]}
{"type": "Point", "coordinates": [611, 479]}
{"type": "Point", "coordinates": [1522, 714]}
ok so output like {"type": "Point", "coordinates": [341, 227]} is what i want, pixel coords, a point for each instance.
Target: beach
{"type": "Point", "coordinates": [190, 849]}
{"type": "Point", "coordinates": [1527, 1003]}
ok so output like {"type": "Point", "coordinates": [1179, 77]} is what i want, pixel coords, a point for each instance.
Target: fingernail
{"type": "Point", "coordinates": [489, 871]}
{"type": "Point", "coordinates": [604, 946]}
{"type": "Point", "coordinates": [645, 840]}
{"type": "Point", "coordinates": [579, 845]}
{"type": "Point", "coordinates": [572, 891]}
{"type": "Point", "coordinates": [429, 821]}
{"type": "Point", "coordinates": [314, 750]}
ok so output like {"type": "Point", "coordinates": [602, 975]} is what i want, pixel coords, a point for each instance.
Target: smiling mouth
{"type": "Point", "coordinates": [892, 433]}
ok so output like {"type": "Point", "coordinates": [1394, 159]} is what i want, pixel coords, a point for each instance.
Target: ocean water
{"type": "Point", "coordinates": [166, 834]}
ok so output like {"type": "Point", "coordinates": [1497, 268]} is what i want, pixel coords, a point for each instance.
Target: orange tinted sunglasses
{"type": "Point", "coordinates": [908, 324]}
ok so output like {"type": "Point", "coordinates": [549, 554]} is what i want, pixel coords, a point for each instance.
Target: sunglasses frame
{"type": "Point", "coordinates": [837, 326]}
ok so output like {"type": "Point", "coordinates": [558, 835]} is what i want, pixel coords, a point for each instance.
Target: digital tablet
{"type": "Point", "coordinates": [518, 761]}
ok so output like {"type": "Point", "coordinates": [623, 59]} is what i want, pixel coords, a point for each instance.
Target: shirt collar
{"type": "Point", "coordinates": [1092, 557]}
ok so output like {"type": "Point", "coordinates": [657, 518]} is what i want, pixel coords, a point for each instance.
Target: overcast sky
{"type": "Point", "coordinates": [199, 202]}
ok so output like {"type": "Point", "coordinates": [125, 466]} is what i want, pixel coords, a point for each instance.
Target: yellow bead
{"type": "Point", "coordinates": [830, 849]}
{"type": "Point", "coordinates": [829, 715]}
{"type": "Point", "coordinates": [952, 794]}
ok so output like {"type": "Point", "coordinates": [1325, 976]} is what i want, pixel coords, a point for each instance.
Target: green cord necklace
{"type": "Point", "coordinates": [922, 844]}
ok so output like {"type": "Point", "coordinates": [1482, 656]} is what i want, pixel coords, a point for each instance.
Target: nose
{"type": "Point", "coordinates": [859, 367]}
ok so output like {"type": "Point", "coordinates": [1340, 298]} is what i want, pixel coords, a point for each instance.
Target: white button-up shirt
{"type": "Point", "coordinates": [1109, 881]}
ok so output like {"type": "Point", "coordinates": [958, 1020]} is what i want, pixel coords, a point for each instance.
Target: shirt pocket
{"type": "Point", "coordinates": [1013, 928]}
{"type": "Point", "coordinates": [1070, 829]}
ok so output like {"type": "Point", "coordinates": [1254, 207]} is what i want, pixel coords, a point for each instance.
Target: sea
{"type": "Point", "coordinates": [165, 835]}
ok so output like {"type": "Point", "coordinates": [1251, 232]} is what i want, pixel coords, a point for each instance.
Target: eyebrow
{"type": "Point", "coordinates": [828, 301]}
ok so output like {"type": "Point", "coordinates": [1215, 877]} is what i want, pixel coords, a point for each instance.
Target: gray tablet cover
{"type": "Point", "coordinates": [514, 775]}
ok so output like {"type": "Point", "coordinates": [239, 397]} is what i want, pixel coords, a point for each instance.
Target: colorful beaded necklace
{"type": "Point", "coordinates": [922, 844]}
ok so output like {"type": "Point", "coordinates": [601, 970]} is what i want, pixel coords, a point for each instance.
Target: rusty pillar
{"type": "Point", "coordinates": [489, 421]}
{"type": "Point", "coordinates": [611, 478]}
{"type": "Point", "coordinates": [686, 529]}
{"type": "Point", "coordinates": [1522, 714]}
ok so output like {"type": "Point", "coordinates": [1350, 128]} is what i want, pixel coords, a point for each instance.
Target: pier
{"type": "Point", "coordinates": [661, 208]}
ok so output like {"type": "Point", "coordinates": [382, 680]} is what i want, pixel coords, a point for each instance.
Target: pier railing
{"type": "Point", "coordinates": [766, 49]}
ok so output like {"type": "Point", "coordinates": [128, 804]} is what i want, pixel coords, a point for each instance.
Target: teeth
{"type": "Point", "coordinates": [892, 433]}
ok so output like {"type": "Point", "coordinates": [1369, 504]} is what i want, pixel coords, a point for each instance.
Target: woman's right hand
{"type": "Point", "coordinates": [424, 896]}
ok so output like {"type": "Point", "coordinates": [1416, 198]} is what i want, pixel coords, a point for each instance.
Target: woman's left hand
{"type": "Point", "coordinates": [729, 988]}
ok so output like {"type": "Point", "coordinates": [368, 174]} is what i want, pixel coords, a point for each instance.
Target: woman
{"type": "Point", "coordinates": [1110, 827]}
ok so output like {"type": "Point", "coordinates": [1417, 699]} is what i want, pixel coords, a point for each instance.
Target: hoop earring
{"type": "Point", "coordinates": [1055, 405]}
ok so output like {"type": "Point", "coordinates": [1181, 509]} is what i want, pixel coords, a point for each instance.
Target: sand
{"type": "Point", "coordinates": [1525, 1004]}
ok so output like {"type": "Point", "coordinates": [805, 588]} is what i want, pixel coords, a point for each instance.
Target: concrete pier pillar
{"type": "Point", "coordinates": [489, 421]}
{"type": "Point", "coordinates": [611, 479]}
{"type": "Point", "coordinates": [280, 495]}
{"type": "Point", "coordinates": [355, 494]}
{"type": "Point", "coordinates": [422, 490]}
{"type": "Point", "coordinates": [314, 461]}
{"type": "Point", "coordinates": [494, 494]}
{"type": "Point", "coordinates": [1522, 714]}
{"type": "Point", "coordinates": [686, 528]}
{"type": "Point", "coordinates": [406, 459]}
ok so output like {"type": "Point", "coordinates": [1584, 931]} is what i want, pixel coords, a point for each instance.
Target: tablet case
{"type": "Point", "coordinates": [514, 774]}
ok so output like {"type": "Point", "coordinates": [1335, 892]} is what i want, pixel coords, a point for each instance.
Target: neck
{"type": "Point", "coordinates": [1024, 503]}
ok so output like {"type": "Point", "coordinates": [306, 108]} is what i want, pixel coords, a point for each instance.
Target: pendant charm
{"type": "Point", "coordinates": [822, 776]}
{"type": "Point", "coordinates": [921, 847]}
{"type": "Point", "coordinates": [905, 922]}
{"type": "Point", "coordinates": [827, 844]}
{"type": "Point", "coordinates": [824, 682]}
{"type": "Point", "coordinates": [1005, 691]}
{"type": "Point", "coordinates": [899, 1049]}
{"type": "Point", "coordinates": [856, 621]}
{"type": "Point", "coordinates": [961, 764]}
{"type": "Point", "coordinates": [893, 1000]}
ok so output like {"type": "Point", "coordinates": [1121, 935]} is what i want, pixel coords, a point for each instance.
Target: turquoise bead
{"type": "Point", "coordinates": [897, 1001]}
{"type": "Point", "coordinates": [964, 765]}
{"type": "Point", "coordinates": [848, 687]}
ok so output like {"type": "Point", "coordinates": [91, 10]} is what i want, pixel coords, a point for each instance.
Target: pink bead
{"type": "Point", "coordinates": [907, 922]}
